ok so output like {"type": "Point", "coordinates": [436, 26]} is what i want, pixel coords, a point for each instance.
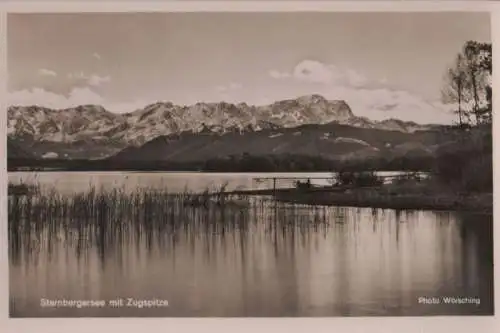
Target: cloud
{"type": "Point", "coordinates": [313, 71]}
{"type": "Point", "coordinates": [385, 103]}
{"type": "Point", "coordinates": [77, 75]}
{"type": "Point", "coordinates": [374, 99]}
{"type": "Point", "coordinates": [77, 96]}
{"type": "Point", "coordinates": [94, 80]}
{"type": "Point", "coordinates": [42, 97]}
{"type": "Point", "coordinates": [96, 55]}
{"type": "Point", "coordinates": [46, 72]}
{"type": "Point", "coordinates": [278, 75]}
{"type": "Point", "coordinates": [356, 79]}
{"type": "Point", "coordinates": [229, 87]}
{"type": "Point", "coordinates": [316, 72]}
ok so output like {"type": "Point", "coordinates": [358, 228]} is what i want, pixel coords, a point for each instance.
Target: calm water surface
{"type": "Point", "coordinates": [270, 260]}
{"type": "Point", "coordinates": [71, 182]}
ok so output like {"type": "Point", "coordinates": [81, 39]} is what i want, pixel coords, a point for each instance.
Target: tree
{"type": "Point", "coordinates": [473, 70]}
{"type": "Point", "coordinates": [468, 83]}
{"type": "Point", "coordinates": [479, 66]}
{"type": "Point", "coordinates": [457, 85]}
{"type": "Point", "coordinates": [486, 65]}
{"type": "Point", "coordinates": [467, 164]}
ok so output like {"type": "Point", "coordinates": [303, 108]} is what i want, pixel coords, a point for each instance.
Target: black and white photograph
{"type": "Point", "coordinates": [250, 164]}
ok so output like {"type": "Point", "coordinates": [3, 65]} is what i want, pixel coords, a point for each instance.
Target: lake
{"type": "Point", "coordinates": [269, 259]}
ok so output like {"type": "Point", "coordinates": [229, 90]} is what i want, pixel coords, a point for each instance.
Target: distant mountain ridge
{"type": "Point", "coordinates": [91, 131]}
{"type": "Point", "coordinates": [164, 118]}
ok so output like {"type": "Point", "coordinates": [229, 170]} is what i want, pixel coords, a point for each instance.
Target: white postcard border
{"type": "Point", "coordinates": [359, 324]}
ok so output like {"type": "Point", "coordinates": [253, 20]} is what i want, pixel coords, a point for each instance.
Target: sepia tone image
{"type": "Point", "coordinates": [272, 164]}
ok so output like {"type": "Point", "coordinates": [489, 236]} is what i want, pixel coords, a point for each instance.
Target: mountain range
{"type": "Point", "coordinates": [308, 124]}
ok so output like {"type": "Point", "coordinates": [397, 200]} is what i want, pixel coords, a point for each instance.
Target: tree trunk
{"type": "Point", "coordinates": [460, 109]}
{"type": "Point", "coordinates": [476, 97]}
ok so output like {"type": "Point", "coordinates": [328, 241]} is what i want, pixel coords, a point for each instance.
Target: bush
{"type": "Point", "coordinates": [358, 179]}
{"type": "Point", "coordinates": [477, 174]}
{"type": "Point", "coordinates": [407, 178]}
{"type": "Point", "coordinates": [467, 164]}
{"type": "Point", "coordinates": [303, 185]}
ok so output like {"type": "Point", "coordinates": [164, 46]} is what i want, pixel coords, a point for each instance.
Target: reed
{"type": "Point", "coordinates": [109, 218]}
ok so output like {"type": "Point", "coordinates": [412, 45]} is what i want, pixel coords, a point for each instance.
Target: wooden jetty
{"type": "Point", "coordinates": [296, 178]}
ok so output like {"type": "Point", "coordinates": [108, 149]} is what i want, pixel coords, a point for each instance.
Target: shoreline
{"type": "Point", "coordinates": [366, 197]}
{"type": "Point", "coordinates": [371, 198]}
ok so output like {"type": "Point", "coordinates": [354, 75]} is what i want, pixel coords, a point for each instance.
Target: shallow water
{"type": "Point", "coordinates": [268, 260]}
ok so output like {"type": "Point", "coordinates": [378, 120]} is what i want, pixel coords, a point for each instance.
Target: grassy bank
{"type": "Point", "coordinates": [375, 198]}
{"type": "Point", "coordinates": [366, 189]}
{"type": "Point", "coordinates": [385, 198]}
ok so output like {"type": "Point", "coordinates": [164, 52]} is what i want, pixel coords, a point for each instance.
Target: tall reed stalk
{"type": "Point", "coordinates": [107, 219]}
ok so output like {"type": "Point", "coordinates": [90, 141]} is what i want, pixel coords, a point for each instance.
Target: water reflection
{"type": "Point", "coordinates": [272, 259]}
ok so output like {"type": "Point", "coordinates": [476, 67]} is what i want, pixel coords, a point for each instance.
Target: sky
{"type": "Point", "coordinates": [384, 65]}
